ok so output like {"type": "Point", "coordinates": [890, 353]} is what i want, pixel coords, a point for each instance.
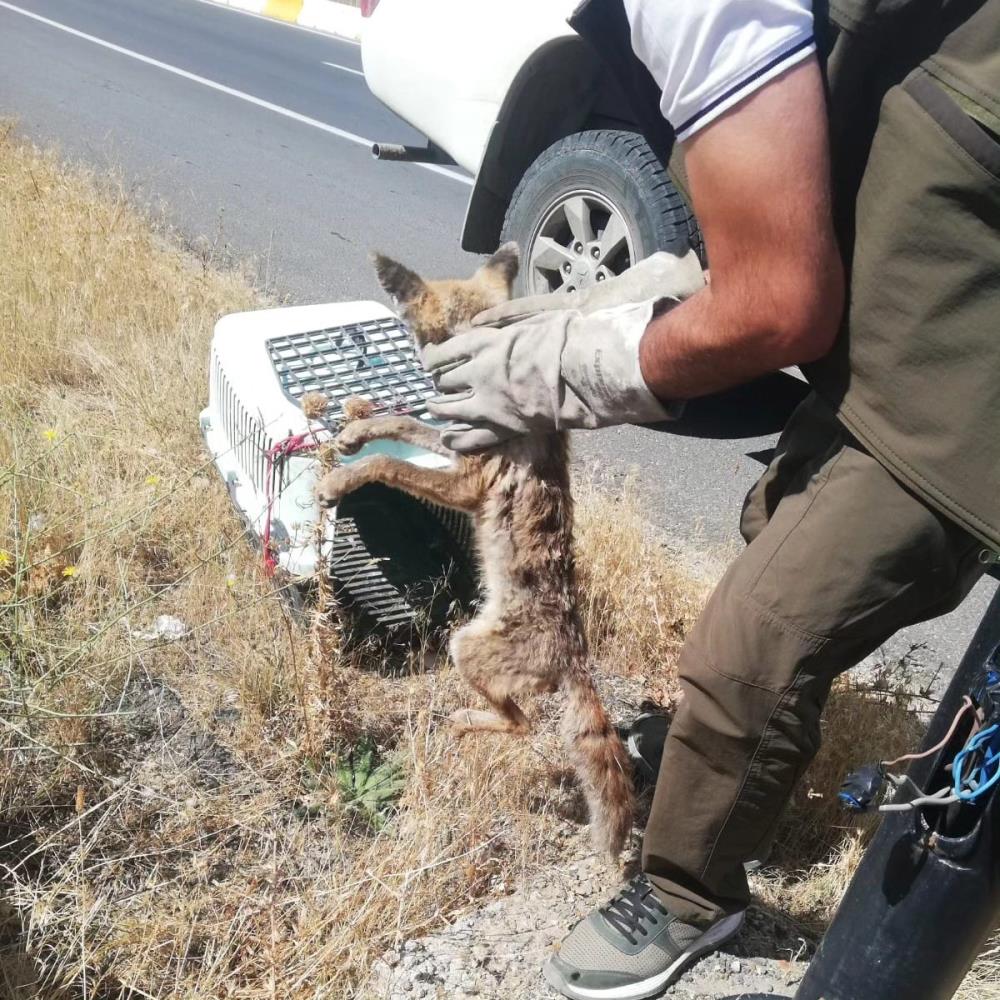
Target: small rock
{"type": "Point", "coordinates": [166, 627]}
{"type": "Point", "coordinates": [736, 968]}
{"type": "Point", "coordinates": [391, 958]}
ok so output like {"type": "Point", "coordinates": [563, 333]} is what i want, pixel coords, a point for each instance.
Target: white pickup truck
{"type": "Point", "coordinates": [511, 93]}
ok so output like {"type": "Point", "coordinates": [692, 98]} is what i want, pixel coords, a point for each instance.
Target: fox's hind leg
{"type": "Point", "coordinates": [496, 666]}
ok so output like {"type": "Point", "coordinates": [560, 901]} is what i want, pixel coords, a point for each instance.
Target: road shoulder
{"type": "Point", "coordinates": [342, 20]}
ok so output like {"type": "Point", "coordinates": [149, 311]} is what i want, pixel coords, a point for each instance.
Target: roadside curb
{"type": "Point", "coordinates": [341, 20]}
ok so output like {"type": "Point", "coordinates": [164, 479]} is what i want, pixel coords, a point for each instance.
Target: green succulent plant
{"type": "Point", "coordinates": [368, 786]}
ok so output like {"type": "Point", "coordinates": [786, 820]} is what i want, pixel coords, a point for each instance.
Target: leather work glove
{"type": "Point", "coordinates": [553, 371]}
{"type": "Point", "coordinates": [543, 367]}
{"type": "Point", "coordinates": [660, 276]}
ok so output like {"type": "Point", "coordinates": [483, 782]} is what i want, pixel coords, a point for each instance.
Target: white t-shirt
{"type": "Point", "coordinates": [707, 55]}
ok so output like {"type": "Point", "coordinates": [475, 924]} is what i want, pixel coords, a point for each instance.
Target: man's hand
{"type": "Point", "coordinates": [550, 372]}
{"type": "Point", "coordinates": [553, 362]}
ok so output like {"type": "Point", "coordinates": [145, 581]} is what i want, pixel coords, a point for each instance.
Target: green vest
{"type": "Point", "coordinates": [914, 101]}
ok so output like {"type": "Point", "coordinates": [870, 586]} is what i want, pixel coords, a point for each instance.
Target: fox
{"type": "Point", "coordinates": [527, 635]}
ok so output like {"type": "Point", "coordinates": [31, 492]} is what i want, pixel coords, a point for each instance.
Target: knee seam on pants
{"type": "Point", "coordinates": [814, 639]}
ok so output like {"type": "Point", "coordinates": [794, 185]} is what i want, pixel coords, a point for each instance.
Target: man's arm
{"type": "Point", "coordinates": [759, 177]}
{"type": "Point", "coordinates": [760, 183]}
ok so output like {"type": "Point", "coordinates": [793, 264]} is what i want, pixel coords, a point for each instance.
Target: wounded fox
{"type": "Point", "coordinates": [527, 635]}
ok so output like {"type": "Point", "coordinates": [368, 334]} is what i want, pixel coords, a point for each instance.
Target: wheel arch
{"type": "Point", "coordinates": [535, 113]}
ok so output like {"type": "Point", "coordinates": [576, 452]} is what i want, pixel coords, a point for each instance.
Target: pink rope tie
{"type": "Point", "coordinates": [294, 444]}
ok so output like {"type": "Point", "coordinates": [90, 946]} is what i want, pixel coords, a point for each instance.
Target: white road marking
{"type": "Point", "coordinates": [346, 69]}
{"type": "Point", "coordinates": [275, 20]}
{"type": "Point", "coordinates": [358, 140]}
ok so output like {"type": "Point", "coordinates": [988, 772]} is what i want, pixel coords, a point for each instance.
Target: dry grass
{"type": "Point", "coordinates": [637, 604]}
{"type": "Point", "coordinates": [211, 858]}
{"type": "Point", "coordinates": [818, 845]}
{"type": "Point", "coordinates": [172, 823]}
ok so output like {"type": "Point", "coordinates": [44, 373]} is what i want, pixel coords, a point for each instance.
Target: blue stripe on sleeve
{"type": "Point", "coordinates": [776, 61]}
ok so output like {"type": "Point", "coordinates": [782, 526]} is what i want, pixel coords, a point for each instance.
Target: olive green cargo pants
{"type": "Point", "coordinates": [840, 557]}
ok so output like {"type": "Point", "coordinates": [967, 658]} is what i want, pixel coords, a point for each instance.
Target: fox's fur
{"type": "Point", "coordinates": [527, 636]}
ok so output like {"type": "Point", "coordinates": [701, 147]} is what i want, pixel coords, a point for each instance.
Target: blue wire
{"type": "Point", "coordinates": [985, 781]}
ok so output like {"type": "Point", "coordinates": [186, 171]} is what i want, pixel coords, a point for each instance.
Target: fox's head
{"type": "Point", "coordinates": [434, 310]}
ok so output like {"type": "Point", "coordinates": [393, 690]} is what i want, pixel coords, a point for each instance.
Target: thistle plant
{"type": "Point", "coordinates": [368, 786]}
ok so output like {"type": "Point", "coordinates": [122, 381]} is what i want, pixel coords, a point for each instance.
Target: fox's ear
{"type": "Point", "coordinates": [505, 262]}
{"type": "Point", "coordinates": [397, 280]}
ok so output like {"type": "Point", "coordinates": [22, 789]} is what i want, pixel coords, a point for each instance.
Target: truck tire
{"type": "Point", "coordinates": [589, 207]}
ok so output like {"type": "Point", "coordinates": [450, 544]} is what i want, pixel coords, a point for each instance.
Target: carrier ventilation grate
{"type": "Point", "coordinates": [247, 437]}
{"type": "Point", "coordinates": [375, 359]}
{"type": "Point", "coordinates": [361, 583]}
{"type": "Point", "coordinates": [458, 525]}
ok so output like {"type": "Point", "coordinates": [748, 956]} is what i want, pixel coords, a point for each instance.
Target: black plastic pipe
{"type": "Point", "coordinates": [927, 893]}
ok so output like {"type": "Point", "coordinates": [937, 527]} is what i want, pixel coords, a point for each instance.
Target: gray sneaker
{"type": "Point", "coordinates": [631, 948]}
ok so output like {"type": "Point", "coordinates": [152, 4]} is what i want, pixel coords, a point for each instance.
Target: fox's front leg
{"type": "Point", "coordinates": [409, 430]}
{"type": "Point", "coordinates": [452, 488]}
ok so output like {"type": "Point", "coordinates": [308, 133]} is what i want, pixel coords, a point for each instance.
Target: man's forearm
{"type": "Point", "coordinates": [759, 185]}
{"type": "Point", "coordinates": [711, 342]}
{"type": "Point", "coordinates": [691, 351]}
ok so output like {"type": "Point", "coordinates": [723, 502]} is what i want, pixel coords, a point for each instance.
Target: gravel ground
{"type": "Point", "coordinates": [498, 950]}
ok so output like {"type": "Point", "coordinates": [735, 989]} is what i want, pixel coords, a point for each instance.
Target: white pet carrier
{"type": "Point", "coordinates": [387, 552]}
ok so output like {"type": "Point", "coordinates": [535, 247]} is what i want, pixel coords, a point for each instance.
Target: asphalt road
{"type": "Point", "coordinates": [251, 136]}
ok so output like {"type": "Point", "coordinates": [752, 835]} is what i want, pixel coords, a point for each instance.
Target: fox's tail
{"type": "Point", "coordinates": [600, 760]}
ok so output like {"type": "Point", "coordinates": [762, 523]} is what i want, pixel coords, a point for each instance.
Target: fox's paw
{"type": "Point", "coordinates": [351, 439]}
{"type": "Point", "coordinates": [333, 487]}
{"type": "Point", "coordinates": [475, 720]}
{"type": "Point", "coordinates": [463, 722]}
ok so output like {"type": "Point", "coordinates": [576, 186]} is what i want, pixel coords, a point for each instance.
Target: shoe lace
{"type": "Point", "coordinates": [633, 909]}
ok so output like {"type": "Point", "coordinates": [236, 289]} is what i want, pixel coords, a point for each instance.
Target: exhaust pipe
{"type": "Point", "coordinates": [411, 154]}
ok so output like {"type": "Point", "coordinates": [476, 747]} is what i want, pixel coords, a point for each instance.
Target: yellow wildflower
{"type": "Point", "coordinates": [4, 558]}
{"type": "Point", "coordinates": [50, 434]}
{"type": "Point", "coordinates": [152, 480]}
{"type": "Point", "coordinates": [69, 571]}
{"type": "Point", "coordinates": [231, 581]}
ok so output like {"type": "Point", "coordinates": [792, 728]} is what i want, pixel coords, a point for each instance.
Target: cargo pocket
{"type": "Point", "coordinates": [923, 333]}
{"type": "Point", "coordinates": [967, 134]}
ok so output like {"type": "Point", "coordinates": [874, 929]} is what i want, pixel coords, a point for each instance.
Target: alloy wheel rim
{"type": "Point", "coordinates": [582, 240]}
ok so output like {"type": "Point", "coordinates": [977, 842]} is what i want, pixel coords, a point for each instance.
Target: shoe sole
{"type": "Point", "coordinates": [654, 985]}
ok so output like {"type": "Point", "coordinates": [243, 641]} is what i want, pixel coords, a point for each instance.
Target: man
{"type": "Point", "coordinates": [882, 505]}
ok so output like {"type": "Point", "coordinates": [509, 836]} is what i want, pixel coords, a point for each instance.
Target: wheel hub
{"type": "Point", "coordinates": [581, 240]}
